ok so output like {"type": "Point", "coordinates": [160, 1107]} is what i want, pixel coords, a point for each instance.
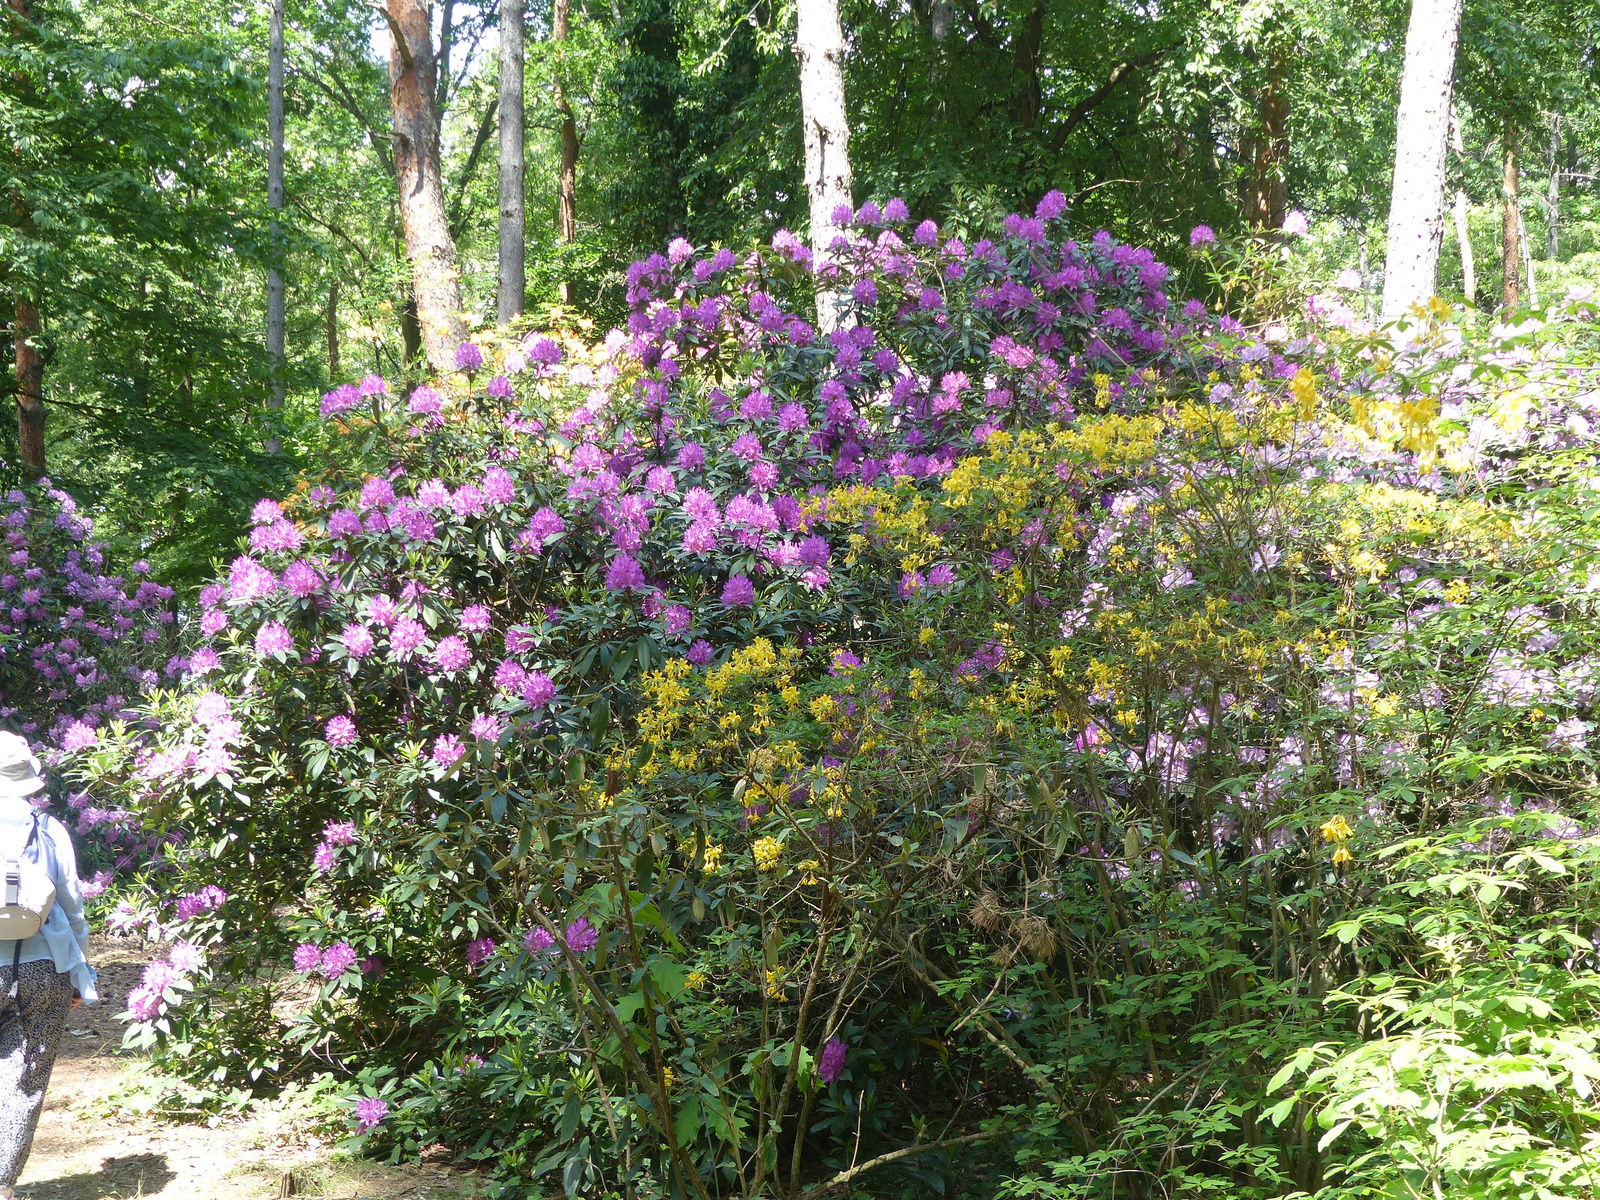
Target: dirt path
{"type": "Point", "coordinates": [87, 1150]}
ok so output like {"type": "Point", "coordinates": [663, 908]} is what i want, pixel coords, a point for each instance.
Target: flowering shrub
{"type": "Point", "coordinates": [79, 646]}
{"type": "Point", "coordinates": [973, 718]}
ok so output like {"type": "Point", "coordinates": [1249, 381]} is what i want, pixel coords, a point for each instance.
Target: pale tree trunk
{"type": "Point", "coordinates": [25, 336]}
{"type": "Point", "coordinates": [26, 332]}
{"type": "Point", "coordinates": [333, 331]}
{"type": "Point", "coordinates": [435, 280]}
{"type": "Point", "coordinates": [1528, 275]}
{"type": "Point", "coordinates": [1510, 225]}
{"type": "Point", "coordinates": [513, 279]}
{"type": "Point", "coordinates": [1552, 241]}
{"type": "Point", "coordinates": [819, 45]}
{"type": "Point", "coordinates": [1469, 264]}
{"type": "Point", "coordinates": [1416, 202]}
{"type": "Point", "coordinates": [275, 292]}
{"type": "Point", "coordinates": [567, 182]}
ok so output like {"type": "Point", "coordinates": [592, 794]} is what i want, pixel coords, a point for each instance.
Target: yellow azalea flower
{"type": "Point", "coordinates": [1337, 829]}
{"type": "Point", "coordinates": [767, 851]}
{"type": "Point", "coordinates": [712, 859]}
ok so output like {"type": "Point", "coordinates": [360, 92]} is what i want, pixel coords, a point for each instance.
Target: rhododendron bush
{"type": "Point", "coordinates": [81, 641]}
{"type": "Point", "coordinates": [732, 759]}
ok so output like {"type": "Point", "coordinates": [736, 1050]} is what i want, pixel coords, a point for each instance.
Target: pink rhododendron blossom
{"type": "Point", "coordinates": [336, 960]}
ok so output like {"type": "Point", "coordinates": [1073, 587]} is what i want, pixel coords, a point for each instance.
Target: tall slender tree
{"type": "Point", "coordinates": [1469, 264]}
{"type": "Point", "coordinates": [1552, 235]}
{"type": "Point", "coordinates": [567, 179]}
{"type": "Point", "coordinates": [1416, 202]}
{"type": "Point", "coordinates": [275, 285]}
{"type": "Point", "coordinates": [26, 327]}
{"type": "Point", "coordinates": [431, 251]}
{"type": "Point", "coordinates": [1510, 221]}
{"type": "Point", "coordinates": [819, 45]}
{"type": "Point", "coordinates": [511, 292]}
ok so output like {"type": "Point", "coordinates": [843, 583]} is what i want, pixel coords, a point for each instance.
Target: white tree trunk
{"type": "Point", "coordinates": [275, 292]}
{"type": "Point", "coordinates": [819, 45]}
{"type": "Point", "coordinates": [1469, 264]}
{"type": "Point", "coordinates": [1416, 204]}
{"type": "Point", "coordinates": [513, 284]}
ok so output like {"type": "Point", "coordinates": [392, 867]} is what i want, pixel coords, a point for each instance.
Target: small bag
{"type": "Point", "coordinates": [29, 892]}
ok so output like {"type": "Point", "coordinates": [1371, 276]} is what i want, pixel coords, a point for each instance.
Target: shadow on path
{"type": "Point", "coordinates": [124, 1178]}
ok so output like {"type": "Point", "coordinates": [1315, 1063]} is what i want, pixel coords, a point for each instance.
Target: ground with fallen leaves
{"type": "Point", "coordinates": [91, 1148]}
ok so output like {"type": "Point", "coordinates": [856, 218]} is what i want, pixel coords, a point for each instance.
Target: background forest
{"type": "Point", "coordinates": [141, 201]}
{"type": "Point", "coordinates": [1063, 666]}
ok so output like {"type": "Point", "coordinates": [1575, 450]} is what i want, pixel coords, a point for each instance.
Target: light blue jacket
{"type": "Point", "coordinates": [64, 939]}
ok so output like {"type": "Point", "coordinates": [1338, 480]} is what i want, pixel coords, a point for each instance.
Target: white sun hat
{"type": "Point", "coordinates": [19, 769]}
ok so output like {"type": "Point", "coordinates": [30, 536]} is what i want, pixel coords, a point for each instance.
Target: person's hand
{"type": "Point", "coordinates": [77, 1000]}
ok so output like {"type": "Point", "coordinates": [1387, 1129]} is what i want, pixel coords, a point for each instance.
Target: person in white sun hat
{"type": "Point", "coordinates": [44, 972]}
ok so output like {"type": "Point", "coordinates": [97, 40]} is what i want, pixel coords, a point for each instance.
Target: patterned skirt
{"type": "Point", "coordinates": [28, 1045]}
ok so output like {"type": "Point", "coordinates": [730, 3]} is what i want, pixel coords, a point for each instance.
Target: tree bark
{"type": "Point", "coordinates": [1510, 225]}
{"type": "Point", "coordinates": [567, 181]}
{"type": "Point", "coordinates": [275, 286]}
{"type": "Point", "coordinates": [25, 335]}
{"type": "Point", "coordinates": [333, 331]}
{"type": "Point", "coordinates": [512, 291]}
{"type": "Point", "coordinates": [435, 279]}
{"type": "Point", "coordinates": [819, 45]}
{"type": "Point", "coordinates": [1267, 203]}
{"type": "Point", "coordinates": [1552, 239]}
{"type": "Point", "coordinates": [1469, 264]}
{"type": "Point", "coordinates": [1416, 201]}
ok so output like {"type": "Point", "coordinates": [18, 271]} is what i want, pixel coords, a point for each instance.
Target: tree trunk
{"type": "Point", "coordinates": [819, 45]}
{"type": "Point", "coordinates": [513, 280]}
{"type": "Point", "coordinates": [1469, 265]}
{"type": "Point", "coordinates": [275, 291]}
{"type": "Point", "coordinates": [434, 275]}
{"type": "Point", "coordinates": [1552, 240]}
{"type": "Point", "coordinates": [410, 332]}
{"type": "Point", "coordinates": [1416, 201]}
{"type": "Point", "coordinates": [567, 182]}
{"type": "Point", "coordinates": [333, 331]}
{"type": "Point", "coordinates": [25, 334]}
{"type": "Point", "coordinates": [1267, 203]}
{"type": "Point", "coordinates": [1511, 225]}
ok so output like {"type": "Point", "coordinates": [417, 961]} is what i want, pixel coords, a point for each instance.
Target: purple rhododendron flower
{"type": "Point", "coordinates": [357, 640]}
{"type": "Point", "coordinates": [624, 573]}
{"type": "Point", "coordinates": [407, 637]}
{"type": "Point", "coordinates": [336, 960]}
{"type": "Point", "coordinates": [538, 941]}
{"type": "Point", "coordinates": [323, 858]}
{"type": "Point", "coordinates": [425, 401]}
{"type": "Point", "coordinates": [451, 654]}
{"type": "Point", "coordinates": [479, 951]}
{"type": "Point", "coordinates": [830, 1064]}
{"type": "Point", "coordinates": [339, 731]}
{"type": "Point", "coordinates": [447, 750]}
{"type": "Point", "coordinates": [487, 727]}
{"type": "Point", "coordinates": [468, 357]}
{"type": "Point", "coordinates": [581, 937]}
{"type": "Point", "coordinates": [1202, 235]}
{"type": "Point", "coordinates": [537, 689]}
{"type": "Point", "coordinates": [700, 653]}
{"type": "Point", "coordinates": [272, 638]}
{"type": "Point", "coordinates": [739, 592]}
{"type": "Point", "coordinates": [370, 1113]}
{"type": "Point", "coordinates": [307, 956]}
